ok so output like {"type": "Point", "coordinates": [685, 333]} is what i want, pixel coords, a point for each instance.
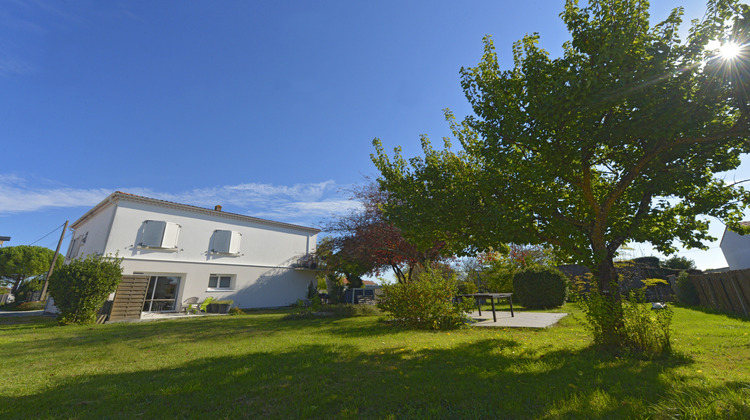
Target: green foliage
{"type": "Point", "coordinates": [727, 402]}
{"type": "Point", "coordinates": [622, 138]}
{"type": "Point", "coordinates": [599, 315]}
{"type": "Point", "coordinates": [647, 261]}
{"type": "Point", "coordinates": [679, 263]}
{"type": "Point", "coordinates": [686, 291]}
{"type": "Point", "coordinates": [29, 306]}
{"type": "Point", "coordinates": [467, 287]}
{"type": "Point", "coordinates": [222, 302]}
{"type": "Point", "coordinates": [640, 330]}
{"type": "Point", "coordinates": [81, 287]}
{"type": "Point", "coordinates": [335, 288]}
{"type": "Point", "coordinates": [236, 311]}
{"type": "Point", "coordinates": [312, 290]}
{"type": "Point", "coordinates": [18, 263]}
{"type": "Point", "coordinates": [425, 302]}
{"type": "Point", "coordinates": [647, 330]}
{"type": "Point", "coordinates": [322, 283]}
{"type": "Point", "coordinates": [540, 287]}
{"type": "Point", "coordinates": [498, 277]}
{"type": "Point", "coordinates": [29, 286]}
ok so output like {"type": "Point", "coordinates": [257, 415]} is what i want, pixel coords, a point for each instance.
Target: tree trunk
{"type": "Point", "coordinates": [610, 314]}
{"type": "Point", "coordinates": [16, 285]}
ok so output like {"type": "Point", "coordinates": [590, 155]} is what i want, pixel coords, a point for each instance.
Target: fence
{"type": "Point", "coordinates": [727, 292]}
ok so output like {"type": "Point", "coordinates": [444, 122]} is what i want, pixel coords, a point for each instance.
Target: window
{"type": "Point", "coordinates": [159, 234]}
{"type": "Point", "coordinates": [226, 242]}
{"type": "Point", "coordinates": [220, 281]}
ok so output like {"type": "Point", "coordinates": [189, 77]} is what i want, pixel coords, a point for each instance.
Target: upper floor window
{"type": "Point", "coordinates": [226, 242]}
{"type": "Point", "coordinates": [159, 234]}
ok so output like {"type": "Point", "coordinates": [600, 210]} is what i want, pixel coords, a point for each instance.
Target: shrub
{"type": "Point", "coordinates": [312, 290]}
{"type": "Point", "coordinates": [466, 287]}
{"type": "Point", "coordinates": [540, 287]}
{"type": "Point", "coordinates": [81, 287]}
{"type": "Point", "coordinates": [29, 306]}
{"type": "Point", "coordinates": [236, 311]}
{"type": "Point", "coordinates": [426, 302]}
{"type": "Point", "coordinates": [643, 331]}
{"type": "Point", "coordinates": [686, 291]}
{"type": "Point", "coordinates": [646, 330]}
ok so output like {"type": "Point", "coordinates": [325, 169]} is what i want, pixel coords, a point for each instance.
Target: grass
{"type": "Point", "coordinates": [263, 365]}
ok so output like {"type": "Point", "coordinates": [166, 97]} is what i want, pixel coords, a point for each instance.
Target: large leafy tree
{"type": "Point", "coordinates": [363, 242]}
{"type": "Point", "coordinates": [619, 139]}
{"type": "Point", "coordinates": [18, 263]}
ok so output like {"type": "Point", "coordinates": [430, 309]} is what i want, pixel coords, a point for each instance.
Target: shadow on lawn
{"type": "Point", "coordinates": [484, 379]}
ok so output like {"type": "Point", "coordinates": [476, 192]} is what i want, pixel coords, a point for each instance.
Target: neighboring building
{"type": "Point", "coordinates": [736, 248]}
{"type": "Point", "coordinates": [190, 251]}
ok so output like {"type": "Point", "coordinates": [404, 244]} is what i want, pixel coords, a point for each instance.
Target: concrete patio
{"type": "Point", "coordinates": [520, 320]}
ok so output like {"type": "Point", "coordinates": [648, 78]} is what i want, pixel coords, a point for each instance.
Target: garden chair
{"type": "Point", "coordinates": [187, 306]}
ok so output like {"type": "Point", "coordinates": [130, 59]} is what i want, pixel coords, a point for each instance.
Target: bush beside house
{"type": "Point", "coordinates": [81, 287]}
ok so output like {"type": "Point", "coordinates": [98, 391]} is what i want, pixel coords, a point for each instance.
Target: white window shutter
{"type": "Point", "coordinates": [153, 233]}
{"type": "Point", "coordinates": [171, 233]}
{"type": "Point", "coordinates": [222, 241]}
{"type": "Point", "coordinates": [234, 245]}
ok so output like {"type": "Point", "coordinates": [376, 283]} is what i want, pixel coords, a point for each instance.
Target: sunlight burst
{"type": "Point", "coordinates": [730, 50]}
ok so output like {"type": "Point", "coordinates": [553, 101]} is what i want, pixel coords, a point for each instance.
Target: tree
{"type": "Point", "coordinates": [363, 242]}
{"type": "Point", "coordinates": [18, 263]}
{"type": "Point", "coordinates": [679, 263]}
{"type": "Point", "coordinates": [617, 140]}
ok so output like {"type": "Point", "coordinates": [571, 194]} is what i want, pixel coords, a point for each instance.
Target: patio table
{"type": "Point", "coordinates": [491, 297]}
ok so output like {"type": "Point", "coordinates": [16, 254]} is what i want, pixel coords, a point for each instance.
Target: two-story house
{"type": "Point", "coordinates": [189, 251]}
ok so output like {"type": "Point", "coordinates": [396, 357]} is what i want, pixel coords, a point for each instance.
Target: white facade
{"type": "Point", "coordinates": [194, 252]}
{"type": "Point", "coordinates": [736, 249]}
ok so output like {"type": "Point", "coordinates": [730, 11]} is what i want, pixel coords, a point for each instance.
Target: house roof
{"type": "Point", "coordinates": [122, 196]}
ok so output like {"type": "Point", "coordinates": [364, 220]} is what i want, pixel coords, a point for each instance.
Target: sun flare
{"type": "Point", "coordinates": [730, 50]}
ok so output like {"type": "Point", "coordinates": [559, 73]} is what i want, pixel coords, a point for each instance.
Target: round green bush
{"type": "Point", "coordinates": [540, 287]}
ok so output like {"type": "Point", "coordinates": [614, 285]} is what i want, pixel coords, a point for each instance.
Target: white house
{"type": "Point", "coordinates": [736, 248]}
{"type": "Point", "coordinates": [190, 251]}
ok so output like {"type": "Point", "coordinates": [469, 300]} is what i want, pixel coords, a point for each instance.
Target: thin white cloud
{"type": "Point", "coordinates": [300, 203]}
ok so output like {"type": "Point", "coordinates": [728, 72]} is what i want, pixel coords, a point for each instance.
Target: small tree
{"type": "Point", "coordinates": [679, 263]}
{"type": "Point", "coordinates": [364, 242]}
{"type": "Point", "coordinates": [81, 287]}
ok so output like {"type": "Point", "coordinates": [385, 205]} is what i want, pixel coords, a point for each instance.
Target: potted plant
{"type": "Point", "coordinates": [219, 306]}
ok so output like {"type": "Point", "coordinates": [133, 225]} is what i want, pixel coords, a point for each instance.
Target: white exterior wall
{"type": "Point", "coordinates": [262, 273]}
{"type": "Point", "coordinates": [254, 287]}
{"type": "Point", "coordinates": [95, 232]}
{"type": "Point", "coordinates": [264, 245]}
{"type": "Point", "coordinates": [736, 249]}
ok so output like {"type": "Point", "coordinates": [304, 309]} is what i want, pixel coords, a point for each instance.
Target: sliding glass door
{"type": "Point", "coordinates": [162, 294]}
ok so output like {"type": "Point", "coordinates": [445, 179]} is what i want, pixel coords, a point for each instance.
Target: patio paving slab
{"type": "Point", "coordinates": [521, 320]}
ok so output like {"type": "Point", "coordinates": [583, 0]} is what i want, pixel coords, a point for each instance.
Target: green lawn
{"type": "Point", "coordinates": [261, 365]}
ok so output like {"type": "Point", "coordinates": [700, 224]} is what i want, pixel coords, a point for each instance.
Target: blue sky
{"type": "Point", "coordinates": [266, 107]}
